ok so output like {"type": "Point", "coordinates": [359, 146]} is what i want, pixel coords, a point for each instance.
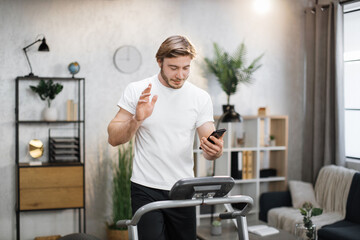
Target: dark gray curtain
{"type": "Point", "coordinates": [324, 109]}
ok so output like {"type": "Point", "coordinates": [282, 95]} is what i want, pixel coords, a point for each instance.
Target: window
{"type": "Point", "coordinates": [352, 80]}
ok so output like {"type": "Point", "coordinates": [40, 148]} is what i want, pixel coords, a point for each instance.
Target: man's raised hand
{"type": "Point", "coordinates": [145, 107]}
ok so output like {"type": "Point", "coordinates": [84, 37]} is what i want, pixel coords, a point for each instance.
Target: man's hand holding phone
{"type": "Point", "coordinates": [213, 144]}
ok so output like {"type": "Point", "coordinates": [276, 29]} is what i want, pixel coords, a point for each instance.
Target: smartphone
{"type": "Point", "coordinates": [217, 133]}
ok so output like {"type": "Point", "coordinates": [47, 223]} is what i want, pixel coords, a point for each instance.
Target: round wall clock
{"type": "Point", "coordinates": [127, 59]}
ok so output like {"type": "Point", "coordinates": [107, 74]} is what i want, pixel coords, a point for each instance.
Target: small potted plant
{"type": "Point", "coordinates": [121, 197]}
{"type": "Point", "coordinates": [272, 141]}
{"type": "Point", "coordinates": [306, 229]}
{"type": "Point", "coordinates": [231, 70]}
{"type": "Point", "coordinates": [47, 91]}
{"type": "Point", "coordinates": [216, 229]}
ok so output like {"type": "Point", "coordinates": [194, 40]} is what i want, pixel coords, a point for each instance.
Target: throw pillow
{"type": "Point", "coordinates": [302, 192]}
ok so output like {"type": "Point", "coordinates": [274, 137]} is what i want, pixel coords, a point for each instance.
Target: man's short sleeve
{"type": "Point", "coordinates": [128, 100]}
{"type": "Point", "coordinates": [206, 113]}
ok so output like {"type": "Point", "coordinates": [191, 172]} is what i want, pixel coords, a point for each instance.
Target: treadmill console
{"type": "Point", "coordinates": [201, 187]}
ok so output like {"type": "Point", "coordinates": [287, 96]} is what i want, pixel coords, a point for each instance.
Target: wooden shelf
{"type": "Point", "coordinates": [258, 129]}
{"type": "Point", "coordinates": [49, 164]}
{"type": "Point", "coordinates": [32, 78]}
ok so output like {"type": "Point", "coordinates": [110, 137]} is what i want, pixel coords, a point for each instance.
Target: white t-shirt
{"type": "Point", "coordinates": [164, 141]}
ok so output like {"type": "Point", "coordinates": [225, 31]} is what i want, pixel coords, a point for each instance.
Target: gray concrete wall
{"type": "Point", "coordinates": [90, 31]}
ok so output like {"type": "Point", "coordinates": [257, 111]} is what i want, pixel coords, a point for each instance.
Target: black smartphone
{"type": "Point", "coordinates": [217, 133]}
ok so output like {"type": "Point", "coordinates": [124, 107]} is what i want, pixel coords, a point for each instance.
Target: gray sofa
{"type": "Point", "coordinates": [337, 191]}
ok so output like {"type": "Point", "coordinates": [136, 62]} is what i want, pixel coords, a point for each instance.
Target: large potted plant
{"type": "Point", "coordinates": [231, 70]}
{"type": "Point", "coordinates": [47, 91]}
{"type": "Point", "coordinates": [121, 197]}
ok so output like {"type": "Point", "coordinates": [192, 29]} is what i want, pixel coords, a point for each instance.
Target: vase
{"type": "Point", "coordinates": [229, 114]}
{"type": "Point", "coordinates": [302, 233]}
{"type": "Point", "coordinates": [50, 114]}
{"type": "Point", "coordinates": [216, 230]}
{"type": "Point", "coordinates": [115, 234]}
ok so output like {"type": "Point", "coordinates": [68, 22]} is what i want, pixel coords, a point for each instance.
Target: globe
{"type": "Point", "coordinates": [74, 68]}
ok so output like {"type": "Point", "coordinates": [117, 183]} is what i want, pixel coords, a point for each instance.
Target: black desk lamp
{"type": "Point", "coordinates": [42, 48]}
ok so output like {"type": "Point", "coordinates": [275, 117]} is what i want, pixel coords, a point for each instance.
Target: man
{"type": "Point", "coordinates": [163, 112]}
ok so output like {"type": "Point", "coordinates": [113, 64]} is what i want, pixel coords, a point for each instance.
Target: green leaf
{"type": "Point", "coordinates": [121, 183]}
{"type": "Point", "coordinates": [316, 211]}
{"type": "Point", "coordinates": [303, 212]}
{"type": "Point", "coordinates": [230, 69]}
{"type": "Point", "coordinates": [47, 91]}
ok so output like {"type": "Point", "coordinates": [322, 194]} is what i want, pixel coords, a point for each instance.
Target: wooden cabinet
{"type": "Point", "coordinates": [51, 187]}
{"type": "Point", "coordinates": [264, 155]}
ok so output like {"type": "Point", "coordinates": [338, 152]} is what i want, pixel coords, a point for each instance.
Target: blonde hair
{"type": "Point", "coordinates": [175, 46]}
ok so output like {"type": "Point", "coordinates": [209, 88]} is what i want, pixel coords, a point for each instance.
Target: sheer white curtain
{"type": "Point", "coordinates": [324, 116]}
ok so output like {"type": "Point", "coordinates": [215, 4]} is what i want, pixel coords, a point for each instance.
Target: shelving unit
{"type": "Point", "coordinates": [51, 185]}
{"type": "Point", "coordinates": [257, 132]}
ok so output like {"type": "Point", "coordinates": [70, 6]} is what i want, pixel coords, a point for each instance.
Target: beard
{"type": "Point", "coordinates": [169, 81]}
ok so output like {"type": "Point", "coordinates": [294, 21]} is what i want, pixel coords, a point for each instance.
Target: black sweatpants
{"type": "Point", "coordinates": [162, 224]}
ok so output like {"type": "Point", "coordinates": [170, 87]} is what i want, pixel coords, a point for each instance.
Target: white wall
{"type": "Point", "coordinates": [90, 31]}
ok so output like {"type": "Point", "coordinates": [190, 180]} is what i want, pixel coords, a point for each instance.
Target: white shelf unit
{"type": "Point", "coordinates": [257, 130]}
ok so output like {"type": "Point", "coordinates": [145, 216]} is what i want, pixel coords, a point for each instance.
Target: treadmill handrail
{"type": "Point", "coordinates": [189, 203]}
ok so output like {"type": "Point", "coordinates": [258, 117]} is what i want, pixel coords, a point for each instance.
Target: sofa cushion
{"type": "Point", "coordinates": [344, 230]}
{"type": "Point", "coordinates": [302, 192]}
{"type": "Point", "coordinates": [353, 203]}
{"type": "Point", "coordinates": [269, 200]}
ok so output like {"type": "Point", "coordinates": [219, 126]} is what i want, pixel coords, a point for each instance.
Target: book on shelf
{"type": "Point", "coordinates": [236, 165]}
{"type": "Point", "coordinates": [75, 111]}
{"type": "Point", "coordinates": [262, 230]}
{"type": "Point", "coordinates": [71, 110]}
{"type": "Point", "coordinates": [240, 156]}
{"type": "Point", "coordinates": [242, 165]}
{"type": "Point", "coordinates": [250, 165]}
{"type": "Point", "coordinates": [247, 165]}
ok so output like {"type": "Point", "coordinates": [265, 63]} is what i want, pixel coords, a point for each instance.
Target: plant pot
{"type": "Point", "coordinates": [50, 114]}
{"type": "Point", "coordinates": [302, 233]}
{"type": "Point", "coordinates": [229, 114]}
{"type": "Point", "coordinates": [115, 234]}
{"type": "Point", "coordinates": [216, 230]}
